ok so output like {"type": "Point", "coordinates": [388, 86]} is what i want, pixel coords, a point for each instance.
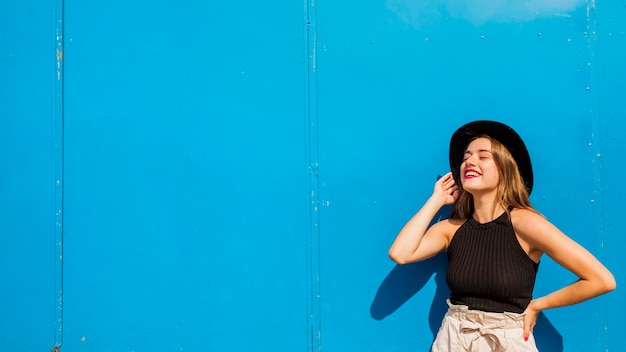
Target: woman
{"type": "Point", "coordinates": [494, 241]}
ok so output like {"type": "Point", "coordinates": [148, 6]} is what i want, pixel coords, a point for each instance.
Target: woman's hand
{"type": "Point", "coordinates": [530, 319]}
{"type": "Point", "coordinates": [446, 189]}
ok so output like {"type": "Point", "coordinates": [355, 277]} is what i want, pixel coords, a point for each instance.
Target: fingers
{"type": "Point", "coordinates": [526, 328]}
{"type": "Point", "coordinates": [448, 183]}
{"type": "Point", "coordinates": [447, 177]}
{"type": "Point", "coordinates": [526, 333]}
{"type": "Point", "coordinates": [446, 189]}
{"type": "Point", "coordinates": [529, 324]}
{"type": "Point", "coordinates": [446, 180]}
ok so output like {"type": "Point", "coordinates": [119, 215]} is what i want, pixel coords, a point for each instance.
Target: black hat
{"type": "Point", "coordinates": [498, 131]}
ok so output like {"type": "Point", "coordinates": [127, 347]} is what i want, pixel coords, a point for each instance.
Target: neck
{"type": "Point", "coordinates": [486, 209]}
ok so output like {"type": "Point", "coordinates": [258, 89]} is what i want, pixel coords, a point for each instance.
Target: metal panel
{"type": "Point", "coordinates": [233, 174]}
{"type": "Point", "coordinates": [610, 45]}
{"type": "Point", "coordinates": [29, 181]}
{"type": "Point", "coordinates": [187, 186]}
{"type": "Point", "coordinates": [394, 83]}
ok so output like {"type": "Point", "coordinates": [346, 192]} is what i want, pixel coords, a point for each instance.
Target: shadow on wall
{"type": "Point", "coordinates": [404, 281]}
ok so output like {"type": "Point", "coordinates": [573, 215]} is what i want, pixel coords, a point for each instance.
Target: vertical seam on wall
{"type": "Point", "coordinates": [313, 239]}
{"type": "Point", "coordinates": [596, 147]}
{"type": "Point", "coordinates": [58, 173]}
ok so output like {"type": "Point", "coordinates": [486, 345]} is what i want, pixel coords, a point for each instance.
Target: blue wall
{"type": "Point", "coordinates": [196, 176]}
{"type": "Point", "coordinates": [30, 166]}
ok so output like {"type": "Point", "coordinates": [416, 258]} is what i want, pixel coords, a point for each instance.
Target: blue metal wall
{"type": "Point", "coordinates": [30, 166]}
{"type": "Point", "coordinates": [198, 176]}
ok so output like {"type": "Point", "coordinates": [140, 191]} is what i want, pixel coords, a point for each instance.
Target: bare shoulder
{"type": "Point", "coordinates": [526, 220]}
{"type": "Point", "coordinates": [448, 227]}
{"type": "Point", "coordinates": [525, 214]}
{"type": "Point", "coordinates": [535, 229]}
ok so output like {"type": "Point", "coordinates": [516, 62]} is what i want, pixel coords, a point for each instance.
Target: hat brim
{"type": "Point", "coordinates": [500, 132]}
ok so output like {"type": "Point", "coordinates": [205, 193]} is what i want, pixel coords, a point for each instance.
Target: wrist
{"type": "Point", "coordinates": [537, 305]}
{"type": "Point", "coordinates": [437, 201]}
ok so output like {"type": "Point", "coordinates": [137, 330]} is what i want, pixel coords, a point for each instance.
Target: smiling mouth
{"type": "Point", "coordinates": [471, 174]}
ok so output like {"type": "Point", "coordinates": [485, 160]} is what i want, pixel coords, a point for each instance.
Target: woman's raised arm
{"type": "Point", "coordinates": [416, 241]}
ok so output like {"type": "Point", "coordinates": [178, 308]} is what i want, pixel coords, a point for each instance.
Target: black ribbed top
{"type": "Point", "coordinates": [488, 269]}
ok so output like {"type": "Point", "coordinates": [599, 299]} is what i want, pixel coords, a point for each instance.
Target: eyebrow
{"type": "Point", "coordinates": [479, 151]}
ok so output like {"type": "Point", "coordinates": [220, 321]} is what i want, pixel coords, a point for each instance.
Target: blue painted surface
{"type": "Point", "coordinates": [398, 81]}
{"type": "Point", "coordinates": [29, 251]}
{"type": "Point", "coordinates": [232, 174]}
{"type": "Point", "coordinates": [186, 183]}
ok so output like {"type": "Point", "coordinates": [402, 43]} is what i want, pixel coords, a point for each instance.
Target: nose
{"type": "Point", "coordinates": [470, 160]}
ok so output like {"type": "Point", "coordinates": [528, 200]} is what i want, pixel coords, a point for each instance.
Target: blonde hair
{"type": "Point", "coordinates": [511, 190]}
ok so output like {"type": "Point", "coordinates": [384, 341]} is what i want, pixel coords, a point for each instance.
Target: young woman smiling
{"type": "Point", "coordinates": [494, 241]}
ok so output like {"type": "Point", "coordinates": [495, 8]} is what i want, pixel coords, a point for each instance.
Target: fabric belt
{"type": "Point", "coordinates": [484, 327]}
{"type": "Point", "coordinates": [492, 333]}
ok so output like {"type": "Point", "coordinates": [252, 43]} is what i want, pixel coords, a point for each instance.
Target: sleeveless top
{"type": "Point", "coordinates": [488, 269]}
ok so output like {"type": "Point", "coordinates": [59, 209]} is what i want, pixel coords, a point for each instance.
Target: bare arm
{"type": "Point", "coordinates": [594, 279]}
{"type": "Point", "coordinates": [414, 242]}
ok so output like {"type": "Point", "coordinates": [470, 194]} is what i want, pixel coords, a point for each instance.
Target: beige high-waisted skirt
{"type": "Point", "coordinates": [465, 330]}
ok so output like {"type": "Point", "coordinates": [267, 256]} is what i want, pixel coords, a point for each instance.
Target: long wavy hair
{"type": "Point", "coordinates": [511, 191]}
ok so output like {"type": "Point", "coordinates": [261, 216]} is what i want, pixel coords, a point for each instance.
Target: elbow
{"type": "Point", "coordinates": [398, 258]}
{"type": "Point", "coordinates": [606, 283]}
{"type": "Point", "coordinates": [609, 283]}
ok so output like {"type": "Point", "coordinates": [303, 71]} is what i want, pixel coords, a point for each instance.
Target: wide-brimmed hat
{"type": "Point", "coordinates": [498, 131]}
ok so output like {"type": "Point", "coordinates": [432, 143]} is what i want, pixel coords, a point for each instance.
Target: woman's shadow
{"type": "Point", "coordinates": [404, 281]}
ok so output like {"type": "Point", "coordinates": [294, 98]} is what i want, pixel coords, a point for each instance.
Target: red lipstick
{"type": "Point", "coordinates": [470, 173]}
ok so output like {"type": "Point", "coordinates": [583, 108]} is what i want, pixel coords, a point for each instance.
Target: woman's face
{"type": "Point", "coordinates": [479, 172]}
